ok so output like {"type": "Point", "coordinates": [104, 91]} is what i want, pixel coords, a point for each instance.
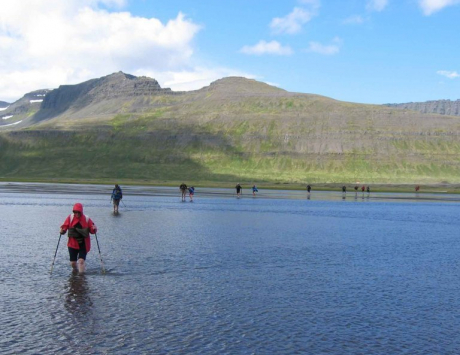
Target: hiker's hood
{"type": "Point", "coordinates": [78, 207]}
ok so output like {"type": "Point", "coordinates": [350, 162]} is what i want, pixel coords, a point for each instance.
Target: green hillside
{"type": "Point", "coordinates": [235, 130]}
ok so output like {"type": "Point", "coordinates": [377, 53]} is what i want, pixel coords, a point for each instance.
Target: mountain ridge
{"type": "Point", "coordinates": [233, 129]}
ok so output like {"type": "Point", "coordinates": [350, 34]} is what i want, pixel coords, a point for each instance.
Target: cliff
{"type": "Point", "coordinates": [118, 86]}
{"type": "Point", "coordinates": [442, 107]}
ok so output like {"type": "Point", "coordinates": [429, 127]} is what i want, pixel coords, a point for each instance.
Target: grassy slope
{"type": "Point", "coordinates": [232, 132]}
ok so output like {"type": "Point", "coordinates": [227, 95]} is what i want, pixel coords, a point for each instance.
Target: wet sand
{"type": "Point", "coordinates": [326, 193]}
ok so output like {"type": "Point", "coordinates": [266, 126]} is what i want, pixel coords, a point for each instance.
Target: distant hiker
{"type": "Point", "coordinates": [117, 195]}
{"type": "Point", "coordinates": [356, 187]}
{"type": "Point", "coordinates": [344, 188]}
{"type": "Point", "coordinates": [183, 189]}
{"type": "Point", "coordinates": [254, 190]}
{"type": "Point", "coordinates": [368, 189]}
{"type": "Point", "coordinates": [417, 188]}
{"type": "Point", "coordinates": [308, 188]}
{"type": "Point", "coordinates": [363, 188]}
{"type": "Point", "coordinates": [79, 227]}
{"type": "Point", "coordinates": [239, 190]}
{"type": "Point", "coordinates": [191, 192]}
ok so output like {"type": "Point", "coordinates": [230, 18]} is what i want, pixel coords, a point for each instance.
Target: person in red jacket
{"type": "Point", "coordinates": [79, 227]}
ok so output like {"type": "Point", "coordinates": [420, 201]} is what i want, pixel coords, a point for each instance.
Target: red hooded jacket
{"type": "Point", "coordinates": [84, 221]}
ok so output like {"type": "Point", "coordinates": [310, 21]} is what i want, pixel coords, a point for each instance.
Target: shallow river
{"type": "Point", "coordinates": [276, 274]}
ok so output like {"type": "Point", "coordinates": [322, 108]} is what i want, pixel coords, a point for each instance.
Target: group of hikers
{"type": "Point", "coordinates": [239, 190]}
{"type": "Point", "coordinates": [79, 226]}
{"type": "Point", "coordinates": [191, 191]}
{"type": "Point", "coordinates": [363, 188]}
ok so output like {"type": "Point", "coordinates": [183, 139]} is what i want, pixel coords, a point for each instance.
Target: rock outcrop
{"type": "Point", "coordinates": [115, 86]}
{"type": "Point", "coordinates": [442, 107]}
{"type": "Point", "coordinates": [27, 104]}
{"type": "Point", "coordinates": [118, 85]}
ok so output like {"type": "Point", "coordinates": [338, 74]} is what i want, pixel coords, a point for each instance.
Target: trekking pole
{"type": "Point", "coordinates": [123, 203]}
{"type": "Point", "coordinates": [100, 256]}
{"type": "Point", "coordinates": [52, 265]}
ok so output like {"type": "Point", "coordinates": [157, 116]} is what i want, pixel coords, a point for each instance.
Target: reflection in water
{"type": "Point", "coordinates": [77, 299]}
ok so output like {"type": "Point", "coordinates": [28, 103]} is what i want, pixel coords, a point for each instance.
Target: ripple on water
{"type": "Point", "coordinates": [245, 277]}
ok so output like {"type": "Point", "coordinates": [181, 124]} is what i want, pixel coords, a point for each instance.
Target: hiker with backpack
{"type": "Point", "coordinates": [117, 195]}
{"type": "Point", "coordinates": [78, 226]}
{"type": "Point", "coordinates": [239, 190]}
{"type": "Point", "coordinates": [183, 189]}
{"type": "Point", "coordinates": [191, 192]}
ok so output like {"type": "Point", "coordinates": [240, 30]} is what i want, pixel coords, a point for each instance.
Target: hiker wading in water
{"type": "Point", "coordinates": [78, 227]}
{"type": "Point", "coordinates": [183, 190]}
{"type": "Point", "coordinates": [117, 195]}
{"type": "Point", "coordinates": [239, 190]}
{"type": "Point", "coordinates": [191, 192]}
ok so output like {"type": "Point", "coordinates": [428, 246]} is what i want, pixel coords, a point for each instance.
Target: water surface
{"type": "Point", "coordinates": [275, 274]}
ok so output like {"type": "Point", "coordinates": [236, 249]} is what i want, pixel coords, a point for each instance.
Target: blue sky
{"type": "Point", "coordinates": [367, 51]}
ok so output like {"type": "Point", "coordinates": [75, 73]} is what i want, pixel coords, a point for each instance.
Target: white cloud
{"type": "Point", "coordinates": [353, 20]}
{"type": "Point", "coordinates": [448, 74]}
{"type": "Point", "coordinates": [263, 47]}
{"type": "Point", "coordinates": [431, 6]}
{"type": "Point", "coordinates": [376, 5]}
{"type": "Point", "coordinates": [47, 43]}
{"type": "Point", "coordinates": [293, 22]}
{"type": "Point", "coordinates": [330, 49]}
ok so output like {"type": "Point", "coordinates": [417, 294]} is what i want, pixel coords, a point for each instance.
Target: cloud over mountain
{"type": "Point", "coordinates": [73, 40]}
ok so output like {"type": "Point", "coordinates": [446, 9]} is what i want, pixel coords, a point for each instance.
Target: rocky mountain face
{"type": "Point", "coordinates": [96, 97]}
{"type": "Point", "coordinates": [119, 86]}
{"type": "Point", "coordinates": [442, 107]}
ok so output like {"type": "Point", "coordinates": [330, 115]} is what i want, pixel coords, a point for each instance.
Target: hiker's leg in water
{"type": "Point", "coordinates": [81, 265]}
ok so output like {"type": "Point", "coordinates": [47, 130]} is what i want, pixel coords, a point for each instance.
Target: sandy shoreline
{"type": "Point", "coordinates": [326, 193]}
{"type": "Point", "coordinates": [445, 187]}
